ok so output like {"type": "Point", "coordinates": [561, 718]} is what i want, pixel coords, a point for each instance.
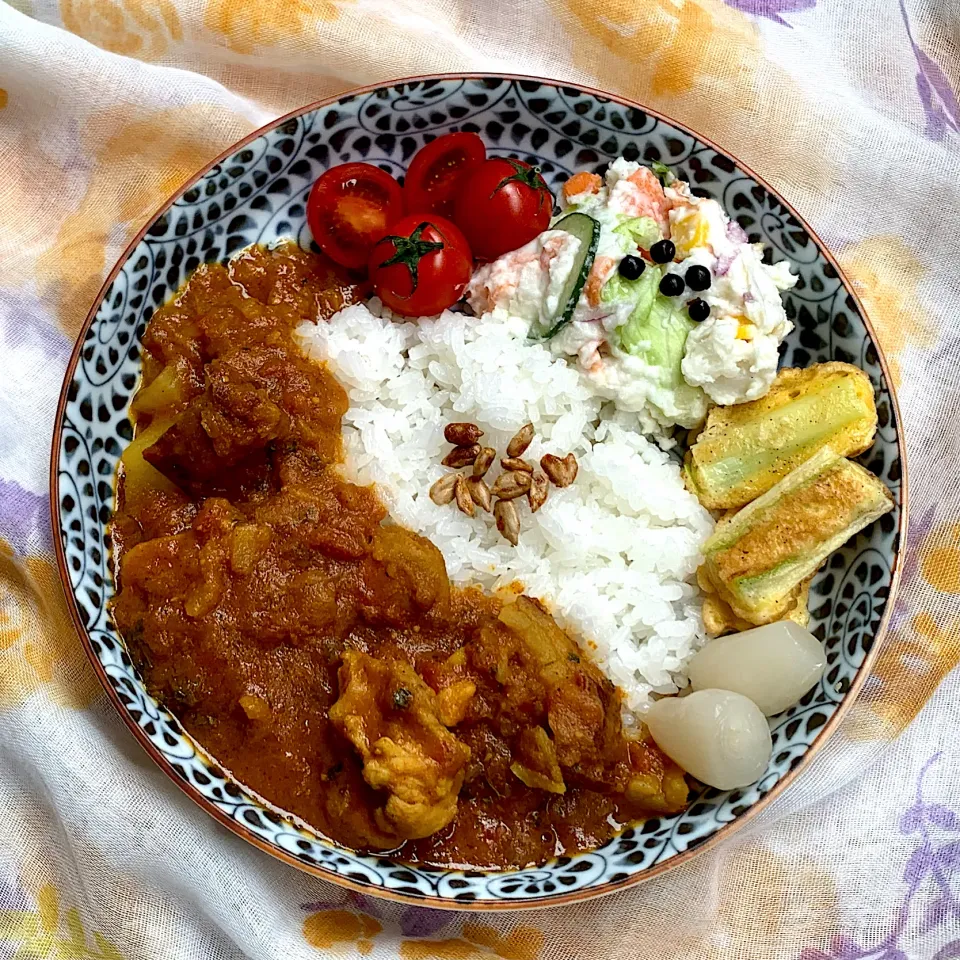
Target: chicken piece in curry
{"type": "Point", "coordinates": [319, 652]}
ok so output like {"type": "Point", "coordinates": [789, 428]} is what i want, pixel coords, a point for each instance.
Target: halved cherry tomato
{"type": "Point", "coordinates": [501, 204]}
{"type": "Point", "coordinates": [431, 181]}
{"type": "Point", "coordinates": [422, 266]}
{"type": "Point", "coordinates": [350, 208]}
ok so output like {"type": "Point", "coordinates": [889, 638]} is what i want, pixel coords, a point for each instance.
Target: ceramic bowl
{"type": "Point", "coordinates": [256, 193]}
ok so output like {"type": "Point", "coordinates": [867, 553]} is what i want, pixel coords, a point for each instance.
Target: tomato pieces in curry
{"type": "Point", "coordinates": [317, 651]}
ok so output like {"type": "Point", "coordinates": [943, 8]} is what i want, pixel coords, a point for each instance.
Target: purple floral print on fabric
{"type": "Point", "coordinates": [25, 323]}
{"type": "Point", "coordinates": [412, 921]}
{"type": "Point", "coordinates": [23, 517]}
{"type": "Point", "coordinates": [772, 9]}
{"type": "Point", "coordinates": [929, 901]}
{"type": "Point", "coordinates": [939, 101]}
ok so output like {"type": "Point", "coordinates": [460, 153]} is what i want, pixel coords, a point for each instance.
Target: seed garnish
{"type": "Point", "coordinates": [561, 472]}
{"type": "Point", "coordinates": [516, 464]}
{"type": "Point", "coordinates": [482, 464]}
{"type": "Point", "coordinates": [480, 493]}
{"type": "Point", "coordinates": [462, 434]}
{"type": "Point", "coordinates": [509, 486]}
{"type": "Point", "coordinates": [520, 441]}
{"type": "Point", "coordinates": [518, 478]}
{"type": "Point", "coordinates": [537, 494]}
{"type": "Point", "coordinates": [441, 493]}
{"type": "Point", "coordinates": [463, 498]}
{"type": "Point", "coordinates": [508, 520]}
{"type": "Point", "coordinates": [461, 456]}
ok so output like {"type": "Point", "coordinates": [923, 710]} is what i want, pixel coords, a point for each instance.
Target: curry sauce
{"type": "Point", "coordinates": [319, 652]}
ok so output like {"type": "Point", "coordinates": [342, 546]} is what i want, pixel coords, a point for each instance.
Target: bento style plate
{"type": "Point", "coordinates": [256, 193]}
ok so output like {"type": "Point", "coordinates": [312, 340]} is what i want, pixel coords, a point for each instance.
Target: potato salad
{"type": "Point", "coordinates": [656, 295]}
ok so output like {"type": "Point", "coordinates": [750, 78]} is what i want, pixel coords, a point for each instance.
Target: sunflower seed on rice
{"type": "Point", "coordinates": [461, 456]}
{"type": "Point", "coordinates": [520, 440]}
{"type": "Point", "coordinates": [517, 464]}
{"type": "Point", "coordinates": [537, 494]}
{"type": "Point", "coordinates": [480, 493]}
{"type": "Point", "coordinates": [463, 498]}
{"type": "Point", "coordinates": [442, 492]}
{"type": "Point", "coordinates": [561, 472]}
{"type": "Point", "coordinates": [508, 520]}
{"type": "Point", "coordinates": [510, 485]}
{"type": "Point", "coordinates": [462, 434]}
{"type": "Point", "coordinates": [482, 464]}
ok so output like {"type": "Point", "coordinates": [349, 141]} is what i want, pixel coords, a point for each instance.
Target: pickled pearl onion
{"type": "Point", "coordinates": [719, 737]}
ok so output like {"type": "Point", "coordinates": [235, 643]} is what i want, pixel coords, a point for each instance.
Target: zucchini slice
{"type": "Point", "coordinates": [745, 449]}
{"type": "Point", "coordinates": [756, 557]}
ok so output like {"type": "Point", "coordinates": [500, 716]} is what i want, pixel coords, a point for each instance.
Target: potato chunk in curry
{"type": "Point", "coordinates": [392, 718]}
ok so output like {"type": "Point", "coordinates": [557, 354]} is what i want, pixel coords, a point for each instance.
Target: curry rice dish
{"type": "Point", "coordinates": [290, 631]}
{"type": "Point", "coordinates": [429, 580]}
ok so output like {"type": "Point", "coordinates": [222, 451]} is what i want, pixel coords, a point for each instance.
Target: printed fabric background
{"type": "Point", "coordinates": [848, 107]}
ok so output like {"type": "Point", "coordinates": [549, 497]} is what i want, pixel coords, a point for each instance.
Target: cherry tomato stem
{"type": "Point", "coordinates": [500, 205]}
{"type": "Point", "coordinates": [422, 266]}
{"type": "Point", "coordinates": [410, 251]}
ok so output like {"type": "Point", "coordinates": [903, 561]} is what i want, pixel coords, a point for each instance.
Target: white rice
{"type": "Point", "coordinates": [613, 556]}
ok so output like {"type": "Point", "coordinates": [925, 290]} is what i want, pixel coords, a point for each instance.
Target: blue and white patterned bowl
{"type": "Point", "coordinates": [256, 193]}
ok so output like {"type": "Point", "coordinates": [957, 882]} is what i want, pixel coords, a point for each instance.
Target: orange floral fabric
{"type": "Point", "coordinates": [107, 105]}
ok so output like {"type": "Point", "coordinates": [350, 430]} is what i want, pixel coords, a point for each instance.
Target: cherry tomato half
{"type": "Point", "coordinates": [501, 204]}
{"type": "Point", "coordinates": [421, 266]}
{"type": "Point", "coordinates": [350, 208]}
{"type": "Point", "coordinates": [436, 169]}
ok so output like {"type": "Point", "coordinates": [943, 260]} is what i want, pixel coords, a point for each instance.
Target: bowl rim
{"type": "Point", "coordinates": [444, 903]}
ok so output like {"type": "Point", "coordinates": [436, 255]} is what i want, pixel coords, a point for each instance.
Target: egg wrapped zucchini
{"type": "Point", "coordinates": [743, 450]}
{"type": "Point", "coordinates": [719, 618]}
{"type": "Point", "coordinates": [757, 558]}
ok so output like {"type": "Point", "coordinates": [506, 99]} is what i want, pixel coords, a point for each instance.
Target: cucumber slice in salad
{"type": "Point", "coordinates": [587, 231]}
